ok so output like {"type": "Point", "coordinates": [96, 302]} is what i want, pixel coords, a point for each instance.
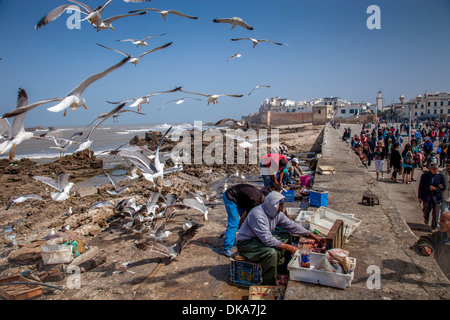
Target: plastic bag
{"type": "Point", "coordinates": [325, 265]}
{"type": "Point", "coordinates": [339, 257]}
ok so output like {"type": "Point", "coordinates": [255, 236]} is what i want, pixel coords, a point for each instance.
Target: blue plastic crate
{"type": "Point", "coordinates": [318, 198]}
{"type": "Point", "coordinates": [245, 273]}
{"type": "Point", "coordinates": [289, 195]}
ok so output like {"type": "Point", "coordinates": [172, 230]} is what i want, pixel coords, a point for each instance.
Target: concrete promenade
{"type": "Point", "coordinates": [386, 238]}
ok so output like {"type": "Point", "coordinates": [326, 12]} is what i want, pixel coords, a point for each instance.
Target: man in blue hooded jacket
{"type": "Point", "coordinates": [258, 241]}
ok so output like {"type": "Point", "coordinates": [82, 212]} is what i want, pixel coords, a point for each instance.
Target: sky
{"type": "Point", "coordinates": [330, 51]}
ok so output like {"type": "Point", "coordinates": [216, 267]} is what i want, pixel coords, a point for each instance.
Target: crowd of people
{"type": "Point", "coordinates": [385, 147]}
{"type": "Point", "coordinates": [259, 228]}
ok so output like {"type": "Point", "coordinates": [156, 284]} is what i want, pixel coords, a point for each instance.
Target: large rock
{"type": "Point", "coordinates": [28, 252]}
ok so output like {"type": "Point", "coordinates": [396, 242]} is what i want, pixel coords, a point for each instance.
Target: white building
{"type": "Point", "coordinates": [434, 106]}
{"type": "Point", "coordinates": [341, 108]}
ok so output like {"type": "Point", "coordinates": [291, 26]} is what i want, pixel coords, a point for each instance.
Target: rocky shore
{"type": "Point", "coordinates": [25, 227]}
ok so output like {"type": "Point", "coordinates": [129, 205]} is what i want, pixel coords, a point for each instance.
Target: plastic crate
{"type": "Point", "coordinates": [318, 198]}
{"type": "Point", "coordinates": [56, 254]}
{"type": "Point", "coordinates": [320, 277]}
{"type": "Point", "coordinates": [245, 273]}
{"type": "Point", "coordinates": [324, 218]}
{"type": "Point", "coordinates": [289, 195]}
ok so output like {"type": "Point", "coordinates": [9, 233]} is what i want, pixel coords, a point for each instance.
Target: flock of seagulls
{"type": "Point", "coordinates": [146, 217]}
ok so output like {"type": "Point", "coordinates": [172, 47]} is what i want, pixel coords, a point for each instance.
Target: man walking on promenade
{"type": "Point", "coordinates": [431, 186]}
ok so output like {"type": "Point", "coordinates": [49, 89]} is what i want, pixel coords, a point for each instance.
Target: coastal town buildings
{"type": "Point", "coordinates": [433, 106]}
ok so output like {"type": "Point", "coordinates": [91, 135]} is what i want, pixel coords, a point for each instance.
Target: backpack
{"type": "Point", "coordinates": [409, 159]}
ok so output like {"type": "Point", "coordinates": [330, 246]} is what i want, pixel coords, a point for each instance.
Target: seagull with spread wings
{"type": "Point", "coordinates": [16, 131]}
{"type": "Point", "coordinates": [164, 13]}
{"type": "Point", "coordinates": [234, 56]}
{"type": "Point", "coordinates": [195, 201]}
{"type": "Point", "coordinates": [242, 123]}
{"type": "Point", "coordinates": [257, 87]}
{"type": "Point", "coordinates": [150, 171]}
{"type": "Point", "coordinates": [177, 101]}
{"type": "Point", "coordinates": [235, 21]}
{"type": "Point", "coordinates": [86, 142]}
{"type": "Point", "coordinates": [22, 198]}
{"type": "Point", "coordinates": [118, 189]}
{"type": "Point", "coordinates": [141, 42]}
{"type": "Point", "coordinates": [61, 184]}
{"type": "Point", "coordinates": [256, 41]}
{"type": "Point", "coordinates": [212, 98]}
{"type": "Point", "coordinates": [75, 99]}
{"type": "Point", "coordinates": [107, 23]}
{"type": "Point", "coordinates": [135, 60]}
{"type": "Point", "coordinates": [138, 102]}
{"type": "Point", "coordinates": [171, 251]}
{"type": "Point", "coordinates": [94, 16]}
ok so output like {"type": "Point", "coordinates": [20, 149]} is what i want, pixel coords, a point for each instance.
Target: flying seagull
{"type": "Point", "coordinates": [75, 99]}
{"type": "Point", "coordinates": [142, 42]}
{"type": "Point", "coordinates": [235, 21]}
{"type": "Point", "coordinates": [61, 143]}
{"type": "Point", "coordinates": [164, 13]}
{"type": "Point", "coordinates": [86, 141]}
{"type": "Point", "coordinates": [257, 87]}
{"type": "Point", "coordinates": [178, 101]}
{"type": "Point", "coordinates": [212, 98]}
{"type": "Point", "coordinates": [94, 16]}
{"type": "Point", "coordinates": [138, 102]}
{"type": "Point", "coordinates": [102, 115]}
{"type": "Point", "coordinates": [172, 251]}
{"type": "Point", "coordinates": [117, 188]}
{"type": "Point", "coordinates": [236, 55]}
{"type": "Point", "coordinates": [107, 23]}
{"type": "Point", "coordinates": [135, 60]}
{"type": "Point", "coordinates": [22, 198]}
{"type": "Point", "coordinates": [242, 123]}
{"type": "Point", "coordinates": [4, 128]}
{"type": "Point", "coordinates": [150, 171]}
{"type": "Point", "coordinates": [61, 184]}
{"type": "Point", "coordinates": [17, 133]}
{"type": "Point", "coordinates": [256, 41]}
{"type": "Point", "coordinates": [195, 201]}
{"type": "Point", "coordinates": [57, 12]}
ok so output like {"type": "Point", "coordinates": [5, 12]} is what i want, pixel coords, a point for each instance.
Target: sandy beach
{"type": "Point", "coordinates": [24, 227]}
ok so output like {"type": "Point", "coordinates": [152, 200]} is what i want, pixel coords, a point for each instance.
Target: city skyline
{"type": "Point", "coordinates": [330, 51]}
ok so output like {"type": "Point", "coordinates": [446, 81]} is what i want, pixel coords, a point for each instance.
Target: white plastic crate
{"type": "Point", "coordinates": [324, 218]}
{"type": "Point", "coordinates": [320, 277]}
{"type": "Point", "coordinates": [300, 216]}
{"type": "Point", "coordinates": [56, 254]}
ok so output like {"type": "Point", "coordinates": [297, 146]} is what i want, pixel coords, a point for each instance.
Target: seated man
{"type": "Point", "coordinates": [258, 241]}
{"type": "Point", "coordinates": [439, 243]}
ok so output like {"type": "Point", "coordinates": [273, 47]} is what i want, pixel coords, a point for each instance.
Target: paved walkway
{"type": "Point", "coordinates": [385, 239]}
